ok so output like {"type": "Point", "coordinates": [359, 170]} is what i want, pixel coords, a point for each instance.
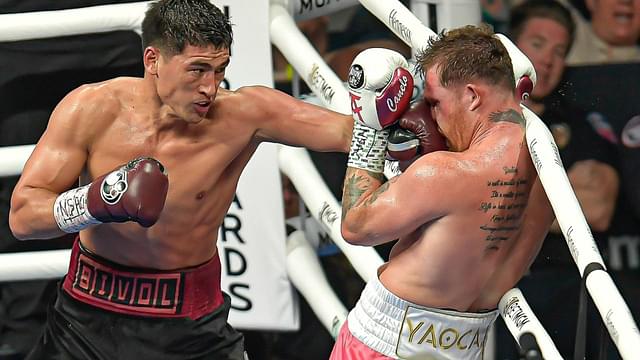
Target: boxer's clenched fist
{"type": "Point", "coordinates": [135, 191]}
{"type": "Point", "coordinates": [380, 88]}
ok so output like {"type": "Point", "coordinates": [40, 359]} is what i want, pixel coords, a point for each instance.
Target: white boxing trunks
{"type": "Point", "coordinates": [400, 329]}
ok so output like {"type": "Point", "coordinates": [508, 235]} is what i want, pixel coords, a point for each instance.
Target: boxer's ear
{"type": "Point", "coordinates": [471, 96]}
{"type": "Point", "coordinates": [150, 59]}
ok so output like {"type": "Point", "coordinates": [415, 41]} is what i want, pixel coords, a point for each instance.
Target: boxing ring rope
{"type": "Point", "coordinates": [306, 274]}
{"type": "Point", "coordinates": [13, 159]}
{"type": "Point", "coordinates": [522, 321]}
{"type": "Point", "coordinates": [613, 309]}
{"type": "Point", "coordinates": [105, 18]}
{"type": "Point", "coordinates": [304, 58]}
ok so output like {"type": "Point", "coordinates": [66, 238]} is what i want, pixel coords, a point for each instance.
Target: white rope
{"type": "Point", "coordinates": [295, 47]}
{"type": "Point", "coordinates": [306, 274]}
{"type": "Point", "coordinates": [296, 164]}
{"type": "Point", "coordinates": [13, 159]}
{"type": "Point", "coordinates": [56, 23]}
{"type": "Point", "coordinates": [615, 313]}
{"type": "Point", "coordinates": [307, 9]}
{"type": "Point", "coordinates": [34, 265]}
{"type": "Point", "coordinates": [545, 157]}
{"type": "Point", "coordinates": [521, 319]}
{"type": "Point", "coordinates": [401, 21]}
{"type": "Point", "coordinates": [105, 18]}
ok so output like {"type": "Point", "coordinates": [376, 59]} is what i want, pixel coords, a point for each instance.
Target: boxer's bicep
{"type": "Point", "coordinates": [53, 167]}
{"type": "Point", "coordinates": [61, 152]}
{"type": "Point", "coordinates": [395, 209]}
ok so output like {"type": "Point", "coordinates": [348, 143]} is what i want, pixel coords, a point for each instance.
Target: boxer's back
{"type": "Point", "coordinates": [482, 244]}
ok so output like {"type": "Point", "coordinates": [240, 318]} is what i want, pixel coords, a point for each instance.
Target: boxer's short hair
{"type": "Point", "coordinates": [466, 54]}
{"type": "Point", "coordinates": [171, 25]}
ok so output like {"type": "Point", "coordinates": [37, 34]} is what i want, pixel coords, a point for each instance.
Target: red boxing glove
{"type": "Point", "coordinates": [134, 192]}
{"type": "Point", "coordinates": [417, 134]}
{"type": "Point", "coordinates": [380, 87]}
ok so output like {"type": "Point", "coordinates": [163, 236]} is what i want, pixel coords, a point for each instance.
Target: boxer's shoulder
{"type": "Point", "coordinates": [101, 97]}
{"type": "Point", "coordinates": [89, 108]}
{"type": "Point", "coordinates": [255, 102]}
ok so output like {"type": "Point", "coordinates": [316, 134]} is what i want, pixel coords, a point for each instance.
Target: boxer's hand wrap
{"type": "Point", "coordinates": [134, 192]}
{"type": "Point", "coordinates": [368, 148]}
{"type": "Point", "coordinates": [380, 88]}
{"type": "Point", "coordinates": [523, 71]}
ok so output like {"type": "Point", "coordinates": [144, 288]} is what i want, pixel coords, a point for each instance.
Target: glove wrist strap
{"type": "Point", "coordinates": [71, 212]}
{"type": "Point", "coordinates": [368, 148]}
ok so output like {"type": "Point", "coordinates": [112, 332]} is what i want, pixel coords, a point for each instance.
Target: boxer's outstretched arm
{"type": "Point", "coordinates": [53, 167]}
{"type": "Point", "coordinates": [283, 119]}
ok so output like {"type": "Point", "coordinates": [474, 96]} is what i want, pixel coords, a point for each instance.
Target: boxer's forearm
{"type": "Point", "coordinates": [361, 188]}
{"type": "Point", "coordinates": [31, 215]}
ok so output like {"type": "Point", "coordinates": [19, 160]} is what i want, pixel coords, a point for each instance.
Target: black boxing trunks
{"type": "Point", "coordinates": [109, 311]}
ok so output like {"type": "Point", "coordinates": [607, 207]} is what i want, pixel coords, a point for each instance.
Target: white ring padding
{"type": "Point", "coordinates": [306, 274]}
{"type": "Point", "coordinates": [296, 164]}
{"type": "Point", "coordinates": [519, 318]}
{"type": "Point", "coordinates": [295, 47]}
{"type": "Point", "coordinates": [93, 19]}
{"type": "Point", "coordinates": [545, 157]}
{"type": "Point", "coordinates": [401, 21]}
{"type": "Point", "coordinates": [13, 159]}
{"type": "Point", "coordinates": [308, 9]}
{"type": "Point", "coordinates": [615, 313]}
{"type": "Point", "coordinates": [34, 265]}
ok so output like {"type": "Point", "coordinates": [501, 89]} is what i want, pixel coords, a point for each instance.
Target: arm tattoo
{"type": "Point", "coordinates": [353, 190]}
{"type": "Point", "coordinates": [379, 191]}
{"type": "Point", "coordinates": [355, 185]}
{"type": "Point", "coordinates": [509, 116]}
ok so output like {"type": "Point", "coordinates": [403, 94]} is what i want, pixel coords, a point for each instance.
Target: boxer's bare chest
{"type": "Point", "coordinates": [203, 163]}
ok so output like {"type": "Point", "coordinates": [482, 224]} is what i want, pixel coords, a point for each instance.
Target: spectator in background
{"type": "Point", "coordinates": [544, 31]}
{"type": "Point", "coordinates": [610, 37]}
{"type": "Point", "coordinates": [363, 31]}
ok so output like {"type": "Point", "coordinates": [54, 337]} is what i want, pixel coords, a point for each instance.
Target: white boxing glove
{"type": "Point", "coordinates": [380, 89]}
{"type": "Point", "coordinates": [523, 70]}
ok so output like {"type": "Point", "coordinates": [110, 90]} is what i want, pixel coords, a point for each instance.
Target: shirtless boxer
{"type": "Point", "coordinates": [469, 221]}
{"type": "Point", "coordinates": [144, 276]}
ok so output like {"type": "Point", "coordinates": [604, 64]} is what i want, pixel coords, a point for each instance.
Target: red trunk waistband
{"type": "Point", "coordinates": [192, 292]}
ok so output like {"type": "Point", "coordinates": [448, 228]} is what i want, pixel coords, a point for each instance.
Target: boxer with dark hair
{"type": "Point", "coordinates": [144, 276]}
{"type": "Point", "coordinates": [469, 220]}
